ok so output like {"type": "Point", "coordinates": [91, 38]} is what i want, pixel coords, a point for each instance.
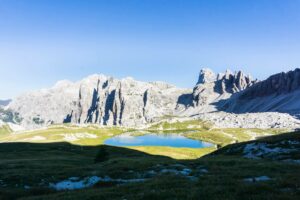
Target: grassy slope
{"type": "Point", "coordinates": [224, 181]}
{"type": "Point", "coordinates": [5, 130]}
{"type": "Point", "coordinates": [176, 153]}
{"type": "Point", "coordinates": [57, 134]}
{"type": "Point", "coordinates": [201, 130]}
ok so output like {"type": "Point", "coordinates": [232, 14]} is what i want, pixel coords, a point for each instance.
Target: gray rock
{"type": "Point", "coordinates": [206, 76]}
{"type": "Point", "coordinates": [262, 120]}
{"type": "Point", "coordinates": [257, 179]}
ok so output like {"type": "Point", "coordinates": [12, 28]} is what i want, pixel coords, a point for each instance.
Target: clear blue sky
{"type": "Point", "coordinates": [171, 40]}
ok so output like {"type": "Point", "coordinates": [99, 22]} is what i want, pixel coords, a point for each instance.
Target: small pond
{"type": "Point", "coordinates": [171, 140]}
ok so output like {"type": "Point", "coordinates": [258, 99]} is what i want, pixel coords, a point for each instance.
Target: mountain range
{"type": "Point", "coordinates": [225, 99]}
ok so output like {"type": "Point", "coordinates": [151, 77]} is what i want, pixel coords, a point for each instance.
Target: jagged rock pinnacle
{"type": "Point", "coordinates": [206, 76]}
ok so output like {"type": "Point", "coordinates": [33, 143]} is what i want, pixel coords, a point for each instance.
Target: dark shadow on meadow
{"type": "Point", "coordinates": [27, 169]}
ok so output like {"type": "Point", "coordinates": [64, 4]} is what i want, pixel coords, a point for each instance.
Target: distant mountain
{"type": "Point", "coordinates": [5, 102]}
{"type": "Point", "coordinates": [216, 97]}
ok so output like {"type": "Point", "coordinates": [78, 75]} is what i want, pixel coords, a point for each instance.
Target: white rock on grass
{"type": "Point", "coordinates": [259, 150]}
{"type": "Point", "coordinates": [72, 184]}
{"type": "Point", "coordinates": [184, 172]}
{"type": "Point", "coordinates": [257, 179]}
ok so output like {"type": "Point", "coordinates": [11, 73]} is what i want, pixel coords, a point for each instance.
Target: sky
{"type": "Point", "coordinates": [43, 41]}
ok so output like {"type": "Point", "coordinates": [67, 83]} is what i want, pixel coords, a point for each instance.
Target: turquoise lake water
{"type": "Point", "coordinates": [171, 140]}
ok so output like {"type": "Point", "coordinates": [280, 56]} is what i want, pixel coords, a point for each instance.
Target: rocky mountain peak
{"type": "Point", "coordinates": [233, 82]}
{"type": "Point", "coordinates": [228, 82]}
{"type": "Point", "coordinates": [210, 87]}
{"type": "Point", "coordinates": [206, 76]}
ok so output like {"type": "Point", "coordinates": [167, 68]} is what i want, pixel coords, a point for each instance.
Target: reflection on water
{"type": "Point", "coordinates": [172, 140]}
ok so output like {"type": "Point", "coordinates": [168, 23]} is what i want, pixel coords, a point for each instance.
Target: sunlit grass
{"type": "Point", "coordinates": [69, 134]}
{"type": "Point", "coordinates": [182, 125]}
{"type": "Point", "coordinates": [176, 153]}
{"type": "Point", "coordinates": [202, 130]}
{"type": "Point", "coordinates": [5, 130]}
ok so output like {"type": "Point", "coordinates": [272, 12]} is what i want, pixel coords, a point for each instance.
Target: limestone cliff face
{"type": "Point", "coordinates": [124, 102]}
{"type": "Point", "coordinates": [99, 99]}
{"type": "Point", "coordinates": [278, 84]}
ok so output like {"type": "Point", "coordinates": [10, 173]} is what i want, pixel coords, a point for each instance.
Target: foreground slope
{"type": "Point", "coordinates": [129, 174]}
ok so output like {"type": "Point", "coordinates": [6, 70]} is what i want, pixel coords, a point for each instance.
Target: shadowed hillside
{"type": "Point", "coordinates": [35, 171]}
